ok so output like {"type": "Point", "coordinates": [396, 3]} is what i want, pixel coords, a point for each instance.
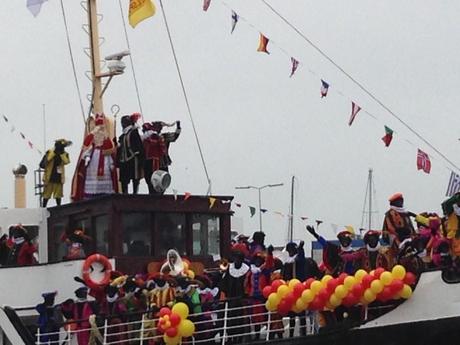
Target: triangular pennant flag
{"type": "Point", "coordinates": [423, 161]}
{"type": "Point", "coordinates": [279, 213]}
{"type": "Point", "coordinates": [354, 111]}
{"type": "Point", "coordinates": [12, 129]}
{"type": "Point", "coordinates": [318, 222]}
{"type": "Point", "coordinates": [187, 195]}
{"type": "Point", "coordinates": [206, 4]}
{"type": "Point", "coordinates": [237, 205]}
{"type": "Point", "coordinates": [263, 42]}
{"type": "Point", "coordinates": [34, 6]}
{"type": "Point", "coordinates": [5, 118]}
{"type": "Point", "coordinates": [140, 10]}
{"type": "Point", "coordinates": [212, 201]}
{"type": "Point", "coordinates": [252, 210]}
{"type": "Point", "coordinates": [22, 135]}
{"type": "Point", "coordinates": [324, 88]}
{"type": "Point", "coordinates": [388, 136]}
{"type": "Point", "coordinates": [175, 194]}
{"type": "Point", "coordinates": [30, 144]}
{"type": "Point", "coordinates": [235, 18]}
{"type": "Point", "coordinates": [304, 218]}
{"type": "Point", "coordinates": [454, 184]}
{"type": "Point", "coordinates": [295, 64]}
{"type": "Point", "coordinates": [263, 210]}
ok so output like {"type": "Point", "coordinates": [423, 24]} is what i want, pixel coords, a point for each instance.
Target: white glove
{"type": "Point", "coordinates": [87, 159]}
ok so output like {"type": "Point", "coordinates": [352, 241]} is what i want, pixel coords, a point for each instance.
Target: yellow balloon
{"type": "Point", "coordinates": [369, 296]}
{"type": "Point", "coordinates": [341, 291]}
{"type": "Point", "coordinates": [269, 306]}
{"type": "Point", "coordinates": [334, 300]}
{"type": "Point", "coordinates": [386, 278]}
{"type": "Point", "coordinates": [406, 292]}
{"type": "Point", "coordinates": [171, 341]}
{"type": "Point", "coordinates": [274, 299]}
{"type": "Point", "coordinates": [360, 274]}
{"type": "Point", "coordinates": [185, 265]}
{"type": "Point", "coordinates": [186, 328]}
{"type": "Point", "coordinates": [190, 274]}
{"type": "Point", "coordinates": [283, 290]}
{"type": "Point", "coordinates": [307, 296]}
{"type": "Point", "coordinates": [398, 272]}
{"type": "Point", "coordinates": [300, 304]}
{"type": "Point", "coordinates": [326, 278]}
{"type": "Point", "coordinates": [181, 309]}
{"type": "Point", "coordinates": [316, 286]}
{"type": "Point", "coordinates": [349, 282]}
{"type": "Point", "coordinates": [376, 286]}
{"type": "Point", "coordinates": [293, 282]}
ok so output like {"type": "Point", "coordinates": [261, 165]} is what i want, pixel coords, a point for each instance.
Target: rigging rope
{"type": "Point", "coordinates": [185, 96]}
{"type": "Point", "coordinates": [361, 86]}
{"type": "Point", "coordinates": [131, 60]}
{"type": "Point", "coordinates": [73, 61]}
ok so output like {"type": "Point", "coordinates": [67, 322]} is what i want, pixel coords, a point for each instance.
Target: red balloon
{"type": "Point", "coordinates": [396, 286]}
{"type": "Point", "coordinates": [367, 280]}
{"type": "Point", "coordinates": [290, 299]}
{"type": "Point", "coordinates": [348, 300]}
{"type": "Point", "coordinates": [267, 291]}
{"type": "Point", "coordinates": [410, 278]}
{"type": "Point", "coordinates": [308, 282]}
{"type": "Point", "coordinates": [323, 295]}
{"type": "Point", "coordinates": [171, 332]}
{"type": "Point", "coordinates": [378, 272]}
{"type": "Point", "coordinates": [165, 311]}
{"type": "Point", "coordinates": [174, 319]}
{"type": "Point", "coordinates": [342, 277]}
{"type": "Point", "coordinates": [332, 284]}
{"type": "Point", "coordinates": [316, 304]}
{"type": "Point", "coordinates": [283, 307]}
{"type": "Point", "coordinates": [358, 289]}
{"type": "Point", "coordinates": [276, 284]}
{"type": "Point", "coordinates": [386, 293]}
{"type": "Point", "coordinates": [298, 289]}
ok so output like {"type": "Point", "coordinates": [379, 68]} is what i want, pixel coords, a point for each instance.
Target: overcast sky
{"type": "Point", "coordinates": [256, 125]}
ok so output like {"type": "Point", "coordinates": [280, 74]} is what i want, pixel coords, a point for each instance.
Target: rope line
{"type": "Point", "coordinates": [185, 95]}
{"type": "Point", "coordinates": [131, 60]}
{"type": "Point", "coordinates": [72, 61]}
{"type": "Point", "coordinates": [361, 86]}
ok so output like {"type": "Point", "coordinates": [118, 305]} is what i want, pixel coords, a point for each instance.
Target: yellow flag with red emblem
{"type": "Point", "coordinates": [140, 10]}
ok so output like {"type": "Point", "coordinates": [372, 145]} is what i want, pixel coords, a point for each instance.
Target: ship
{"type": "Point", "coordinates": [135, 232]}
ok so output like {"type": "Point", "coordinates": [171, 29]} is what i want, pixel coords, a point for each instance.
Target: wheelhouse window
{"type": "Point", "coordinates": [137, 237]}
{"type": "Point", "coordinates": [101, 225]}
{"type": "Point", "coordinates": [171, 232]}
{"type": "Point", "coordinates": [57, 249]}
{"type": "Point", "coordinates": [206, 230]}
{"type": "Point", "coordinates": [81, 223]}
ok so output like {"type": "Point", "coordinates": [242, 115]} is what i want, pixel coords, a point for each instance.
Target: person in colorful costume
{"type": "Point", "coordinates": [53, 162]}
{"type": "Point", "coordinates": [451, 209]}
{"type": "Point", "coordinates": [130, 154]}
{"type": "Point", "coordinates": [22, 252]}
{"type": "Point", "coordinates": [397, 224]}
{"type": "Point", "coordinates": [374, 254]}
{"type": "Point", "coordinates": [155, 149]}
{"type": "Point", "coordinates": [49, 318]}
{"type": "Point", "coordinates": [168, 138]}
{"type": "Point", "coordinates": [75, 242]}
{"type": "Point", "coordinates": [96, 174]}
{"type": "Point", "coordinates": [257, 244]}
{"type": "Point", "coordinates": [257, 279]}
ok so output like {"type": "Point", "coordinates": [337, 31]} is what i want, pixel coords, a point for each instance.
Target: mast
{"type": "Point", "coordinates": [368, 202]}
{"type": "Point", "coordinates": [97, 105]}
{"type": "Point", "coordinates": [291, 213]}
{"type": "Point", "coordinates": [370, 198]}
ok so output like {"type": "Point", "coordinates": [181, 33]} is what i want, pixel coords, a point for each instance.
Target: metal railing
{"type": "Point", "coordinates": [217, 326]}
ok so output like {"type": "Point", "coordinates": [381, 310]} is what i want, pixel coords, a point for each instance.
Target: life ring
{"type": "Point", "coordinates": [87, 269]}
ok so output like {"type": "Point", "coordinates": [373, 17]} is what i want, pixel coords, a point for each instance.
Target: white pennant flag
{"type": "Point", "coordinates": [175, 194]}
{"type": "Point", "coordinates": [34, 6]}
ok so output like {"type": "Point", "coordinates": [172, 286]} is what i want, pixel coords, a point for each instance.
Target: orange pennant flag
{"type": "Point", "coordinates": [187, 195]}
{"type": "Point", "coordinates": [263, 42]}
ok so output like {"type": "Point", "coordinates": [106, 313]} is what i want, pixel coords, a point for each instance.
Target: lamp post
{"type": "Point", "coordinates": [260, 202]}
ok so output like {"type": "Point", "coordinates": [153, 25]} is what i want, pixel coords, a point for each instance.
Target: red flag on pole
{"type": "Point", "coordinates": [423, 161]}
{"type": "Point", "coordinates": [354, 111]}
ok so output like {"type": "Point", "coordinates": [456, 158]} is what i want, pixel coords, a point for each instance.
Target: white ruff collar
{"type": "Point", "coordinates": [398, 209]}
{"type": "Point", "coordinates": [376, 248]}
{"type": "Point", "coordinates": [127, 129]}
{"type": "Point", "coordinates": [403, 243]}
{"type": "Point", "coordinates": [238, 272]}
{"type": "Point", "coordinates": [19, 240]}
{"type": "Point", "coordinates": [346, 249]}
{"type": "Point", "coordinates": [255, 269]}
{"type": "Point", "coordinates": [162, 288]}
{"type": "Point", "coordinates": [213, 292]}
{"type": "Point", "coordinates": [112, 299]}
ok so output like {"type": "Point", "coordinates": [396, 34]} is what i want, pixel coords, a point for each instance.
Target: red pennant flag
{"type": "Point", "coordinates": [295, 64]}
{"type": "Point", "coordinates": [237, 205]}
{"type": "Point", "coordinates": [304, 218]}
{"type": "Point", "coordinates": [423, 161]}
{"type": "Point", "coordinates": [206, 4]}
{"type": "Point", "coordinates": [263, 42]}
{"type": "Point", "coordinates": [187, 195]}
{"type": "Point", "coordinates": [388, 136]}
{"type": "Point", "coordinates": [354, 111]}
{"type": "Point", "coordinates": [30, 144]}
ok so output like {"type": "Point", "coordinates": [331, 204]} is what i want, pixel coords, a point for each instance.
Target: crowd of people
{"type": "Point", "coordinates": [241, 279]}
{"type": "Point", "coordinates": [106, 162]}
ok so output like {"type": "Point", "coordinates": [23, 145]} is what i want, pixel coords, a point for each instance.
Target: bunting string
{"type": "Point", "coordinates": [13, 129]}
